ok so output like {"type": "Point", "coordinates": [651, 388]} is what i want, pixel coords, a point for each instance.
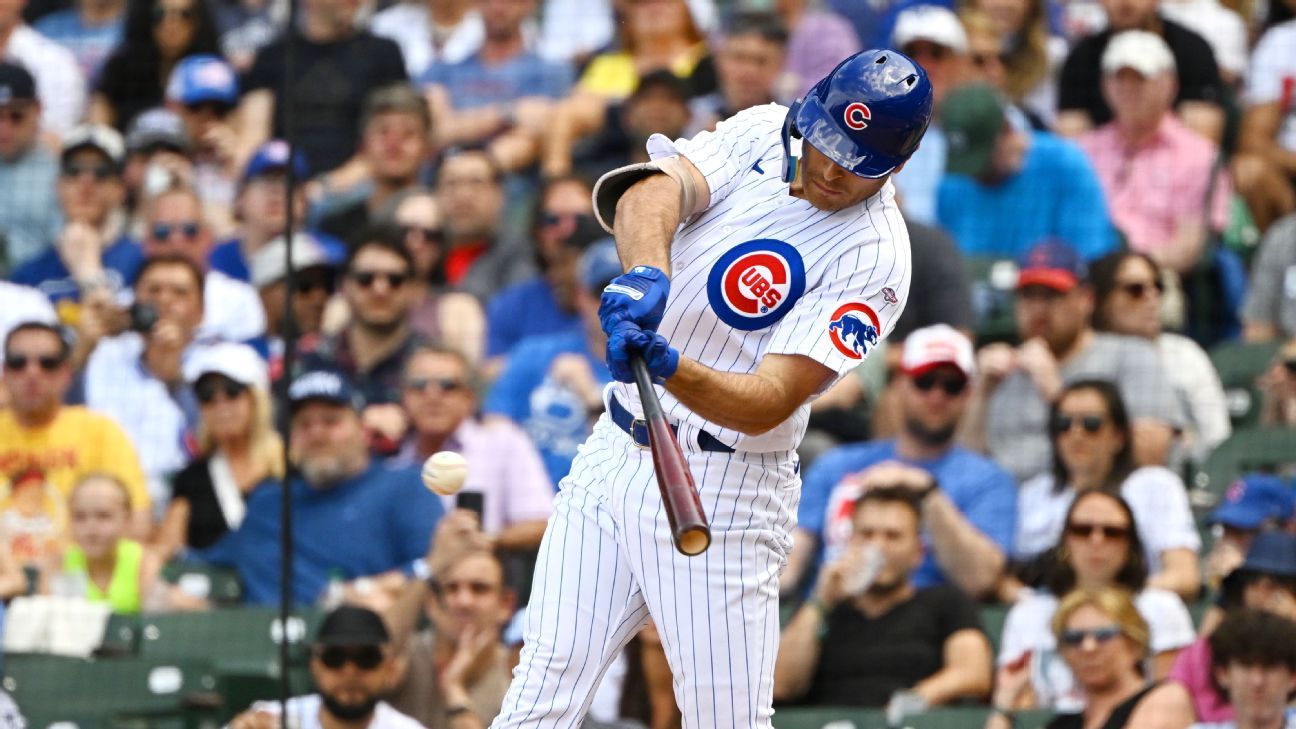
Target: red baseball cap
{"type": "Point", "coordinates": [1051, 263]}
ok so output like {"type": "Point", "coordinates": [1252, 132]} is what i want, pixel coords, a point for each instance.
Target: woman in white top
{"type": "Point", "coordinates": [1090, 430]}
{"type": "Point", "coordinates": [1100, 547]}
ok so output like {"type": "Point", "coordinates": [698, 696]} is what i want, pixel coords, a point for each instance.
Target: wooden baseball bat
{"type": "Point", "coordinates": [689, 528]}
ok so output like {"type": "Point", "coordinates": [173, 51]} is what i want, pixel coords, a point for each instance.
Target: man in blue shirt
{"type": "Point", "coordinates": [1007, 187]}
{"type": "Point", "coordinates": [29, 217]}
{"type": "Point", "coordinates": [352, 517]}
{"type": "Point", "coordinates": [552, 385]}
{"type": "Point", "coordinates": [969, 505]}
{"type": "Point", "coordinates": [91, 29]}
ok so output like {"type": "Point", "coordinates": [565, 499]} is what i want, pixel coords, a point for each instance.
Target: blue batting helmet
{"type": "Point", "coordinates": [867, 116]}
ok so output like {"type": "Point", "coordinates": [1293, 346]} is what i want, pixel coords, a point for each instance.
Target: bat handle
{"type": "Point", "coordinates": [643, 380]}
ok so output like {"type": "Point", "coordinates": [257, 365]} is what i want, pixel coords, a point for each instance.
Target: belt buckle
{"type": "Point", "coordinates": [633, 439]}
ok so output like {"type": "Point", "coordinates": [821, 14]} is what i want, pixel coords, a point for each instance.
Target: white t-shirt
{"type": "Point", "coordinates": [304, 711]}
{"type": "Point", "coordinates": [410, 26]}
{"type": "Point", "coordinates": [1156, 496]}
{"type": "Point", "coordinates": [1197, 384]}
{"type": "Point", "coordinates": [1273, 77]}
{"type": "Point", "coordinates": [1221, 27]}
{"type": "Point", "coordinates": [232, 310]}
{"type": "Point", "coordinates": [1029, 628]}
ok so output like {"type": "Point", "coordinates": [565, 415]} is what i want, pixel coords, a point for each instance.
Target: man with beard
{"type": "Point", "coordinates": [869, 636]}
{"type": "Point", "coordinates": [352, 665]}
{"type": "Point", "coordinates": [354, 518]}
{"type": "Point", "coordinates": [968, 504]}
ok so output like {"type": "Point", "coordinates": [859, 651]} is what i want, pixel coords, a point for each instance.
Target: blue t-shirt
{"type": "Point", "coordinates": [1056, 194]}
{"type": "Point", "coordinates": [982, 491]}
{"type": "Point", "coordinates": [472, 83]}
{"type": "Point", "coordinates": [90, 44]}
{"type": "Point", "coordinates": [46, 271]}
{"type": "Point", "coordinates": [525, 309]}
{"type": "Point", "coordinates": [228, 257]}
{"type": "Point", "coordinates": [378, 521]}
{"type": "Point", "coordinates": [553, 415]}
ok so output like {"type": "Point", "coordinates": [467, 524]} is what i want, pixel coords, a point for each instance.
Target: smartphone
{"type": "Point", "coordinates": [142, 317]}
{"type": "Point", "coordinates": [472, 501]}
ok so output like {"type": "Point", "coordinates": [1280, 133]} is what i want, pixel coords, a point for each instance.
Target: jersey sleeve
{"type": "Point", "coordinates": [724, 155]}
{"type": "Point", "coordinates": [839, 322]}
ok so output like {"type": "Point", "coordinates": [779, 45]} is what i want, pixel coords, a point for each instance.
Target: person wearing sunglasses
{"type": "Point", "coordinates": [1254, 503]}
{"type": "Point", "coordinates": [30, 220]}
{"type": "Point", "coordinates": [238, 447]}
{"type": "Point", "coordinates": [1103, 640]}
{"type": "Point", "coordinates": [440, 398]}
{"type": "Point", "coordinates": [69, 441]}
{"type": "Point", "coordinates": [352, 666]}
{"type": "Point", "coordinates": [1090, 430]}
{"type": "Point", "coordinates": [315, 274]}
{"type": "Point", "coordinates": [94, 250]}
{"type": "Point", "coordinates": [1128, 296]}
{"type": "Point", "coordinates": [203, 92]}
{"type": "Point", "coordinates": [969, 503]}
{"type": "Point", "coordinates": [1278, 388]}
{"type": "Point", "coordinates": [1099, 547]}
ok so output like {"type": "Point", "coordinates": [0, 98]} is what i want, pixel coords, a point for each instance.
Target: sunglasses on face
{"type": "Point", "coordinates": [1075, 638]}
{"type": "Point", "coordinates": [1290, 366]}
{"type": "Point", "coordinates": [1109, 532]}
{"type": "Point", "coordinates": [15, 115]}
{"type": "Point", "coordinates": [1139, 289]}
{"type": "Point", "coordinates": [189, 230]}
{"type": "Point", "coordinates": [207, 389]}
{"type": "Point", "coordinates": [311, 284]}
{"type": "Point", "coordinates": [102, 170]}
{"type": "Point", "coordinates": [951, 385]}
{"type": "Point", "coordinates": [1090, 423]}
{"type": "Point", "coordinates": [982, 60]}
{"type": "Point", "coordinates": [215, 108]}
{"type": "Point", "coordinates": [430, 235]}
{"type": "Point", "coordinates": [365, 658]}
{"type": "Point", "coordinates": [444, 384]}
{"type": "Point", "coordinates": [161, 12]}
{"type": "Point", "coordinates": [366, 279]}
{"type": "Point", "coordinates": [19, 362]}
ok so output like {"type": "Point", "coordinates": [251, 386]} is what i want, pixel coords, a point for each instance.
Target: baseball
{"type": "Point", "coordinates": [444, 472]}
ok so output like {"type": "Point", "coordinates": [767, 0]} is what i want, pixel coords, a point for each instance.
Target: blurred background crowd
{"type": "Point", "coordinates": [1062, 486]}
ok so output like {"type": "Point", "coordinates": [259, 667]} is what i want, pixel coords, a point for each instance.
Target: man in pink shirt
{"type": "Point", "coordinates": [1155, 171]}
{"type": "Point", "coordinates": [439, 396]}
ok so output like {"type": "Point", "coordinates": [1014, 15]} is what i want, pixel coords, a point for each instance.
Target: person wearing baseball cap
{"type": "Point", "coordinates": [1053, 305]}
{"type": "Point", "coordinates": [203, 91]}
{"type": "Point", "coordinates": [1008, 186]}
{"type": "Point", "coordinates": [315, 267]}
{"type": "Point", "coordinates": [1254, 503]}
{"type": "Point", "coordinates": [353, 666]}
{"type": "Point", "coordinates": [969, 503]}
{"type": "Point", "coordinates": [30, 220]}
{"type": "Point", "coordinates": [238, 445]}
{"type": "Point", "coordinates": [386, 513]}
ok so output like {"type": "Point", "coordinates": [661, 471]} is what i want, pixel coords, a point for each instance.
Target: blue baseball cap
{"type": "Point", "coordinates": [1271, 553]}
{"type": "Point", "coordinates": [1254, 499]}
{"type": "Point", "coordinates": [203, 79]}
{"type": "Point", "coordinates": [1052, 263]}
{"type": "Point", "coordinates": [323, 385]}
{"type": "Point", "coordinates": [271, 158]}
{"type": "Point", "coordinates": [599, 264]}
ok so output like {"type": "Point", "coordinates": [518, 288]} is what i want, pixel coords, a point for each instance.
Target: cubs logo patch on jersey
{"type": "Point", "coordinates": [853, 329]}
{"type": "Point", "coordinates": [756, 283]}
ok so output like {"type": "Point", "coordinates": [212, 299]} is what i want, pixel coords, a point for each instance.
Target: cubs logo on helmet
{"type": "Point", "coordinates": [857, 115]}
{"type": "Point", "coordinates": [755, 284]}
{"type": "Point", "coordinates": [853, 329]}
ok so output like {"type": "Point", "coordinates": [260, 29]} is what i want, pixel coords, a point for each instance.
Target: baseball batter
{"type": "Point", "coordinates": [764, 260]}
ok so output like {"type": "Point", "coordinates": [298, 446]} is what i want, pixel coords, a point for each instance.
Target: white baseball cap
{"type": "Point", "coordinates": [239, 362]}
{"type": "Point", "coordinates": [932, 23]}
{"type": "Point", "coordinates": [268, 265]}
{"type": "Point", "coordinates": [1144, 52]}
{"type": "Point", "coordinates": [937, 345]}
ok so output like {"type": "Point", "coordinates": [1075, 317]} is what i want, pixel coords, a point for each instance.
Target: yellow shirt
{"type": "Point", "coordinates": [76, 443]}
{"type": "Point", "coordinates": [613, 75]}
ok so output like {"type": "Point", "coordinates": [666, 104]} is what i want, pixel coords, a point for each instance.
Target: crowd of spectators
{"type": "Point", "coordinates": [1106, 194]}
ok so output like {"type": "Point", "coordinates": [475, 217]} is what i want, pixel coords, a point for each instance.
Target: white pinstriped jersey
{"type": "Point", "coordinates": [761, 272]}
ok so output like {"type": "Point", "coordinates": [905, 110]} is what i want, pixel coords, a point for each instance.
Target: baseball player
{"type": "Point", "coordinates": [764, 260]}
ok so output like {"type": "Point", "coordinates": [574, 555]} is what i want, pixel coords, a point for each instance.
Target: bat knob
{"type": "Point", "coordinates": [694, 541]}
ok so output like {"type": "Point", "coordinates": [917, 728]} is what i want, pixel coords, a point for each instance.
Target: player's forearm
{"type": "Point", "coordinates": [966, 556]}
{"type": "Point", "coordinates": [798, 653]}
{"type": "Point", "coordinates": [748, 403]}
{"type": "Point", "coordinates": [522, 535]}
{"type": "Point", "coordinates": [646, 218]}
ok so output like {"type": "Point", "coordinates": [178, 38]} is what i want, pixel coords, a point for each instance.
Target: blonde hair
{"type": "Point", "coordinates": [1026, 60]}
{"type": "Point", "coordinates": [265, 444]}
{"type": "Point", "coordinates": [978, 22]}
{"type": "Point", "coordinates": [105, 477]}
{"type": "Point", "coordinates": [1117, 602]}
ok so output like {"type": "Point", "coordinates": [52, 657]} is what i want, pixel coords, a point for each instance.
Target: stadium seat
{"type": "Point", "coordinates": [1238, 365]}
{"type": "Point", "coordinates": [1256, 449]}
{"type": "Point", "coordinates": [242, 636]}
{"type": "Point", "coordinates": [220, 585]}
{"type": "Point", "coordinates": [992, 619]}
{"type": "Point", "coordinates": [107, 693]}
{"type": "Point", "coordinates": [121, 636]}
{"type": "Point", "coordinates": [952, 717]}
{"type": "Point", "coordinates": [993, 281]}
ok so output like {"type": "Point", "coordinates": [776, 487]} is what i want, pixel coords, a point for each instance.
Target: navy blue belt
{"type": "Point", "coordinates": [637, 429]}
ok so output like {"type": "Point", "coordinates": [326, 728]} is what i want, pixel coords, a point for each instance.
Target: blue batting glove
{"type": "Point", "coordinates": [638, 296]}
{"type": "Point", "coordinates": [629, 339]}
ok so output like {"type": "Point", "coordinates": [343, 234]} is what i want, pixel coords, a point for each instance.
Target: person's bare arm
{"type": "Point", "coordinates": [463, 325]}
{"type": "Point", "coordinates": [966, 673]}
{"type": "Point", "coordinates": [576, 116]}
{"type": "Point", "coordinates": [1168, 706]}
{"type": "Point", "coordinates": [521, 535]}
{"type": "Point", "coordinates": [1185, 247]}
{"type": "Point", "coordinates": [1259, 135]}
{"type": "Point", "coordinates": [1162, 663]}
{"type": "Point", "coordinates": [100, 111]}
{"type": "Point", "coordinates": [1072, 123]}
{"type": "Point", "coordinates": [256, 117]}
{"type": "Point", "coordinates": [1152, 441]}
{"type": "Point", "coordinates": [968, 557]}
{"type": "Point", "coordinates": [170, 536]}
{"type": "Point", "coordinates": [456, 533]}
{"type": "Point", "coordinates": [1179, 573]}
{"type": "Point", "coordinates": [1203, 117]}
{"type": "Point", "coordinates": [1257, 331]}
{"type": "Point", "coordinates": [798, 653]}
{"type": "Point", "coordinates": [13, 581]}
{"type": "Point", "coordinates": [994, 362]}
